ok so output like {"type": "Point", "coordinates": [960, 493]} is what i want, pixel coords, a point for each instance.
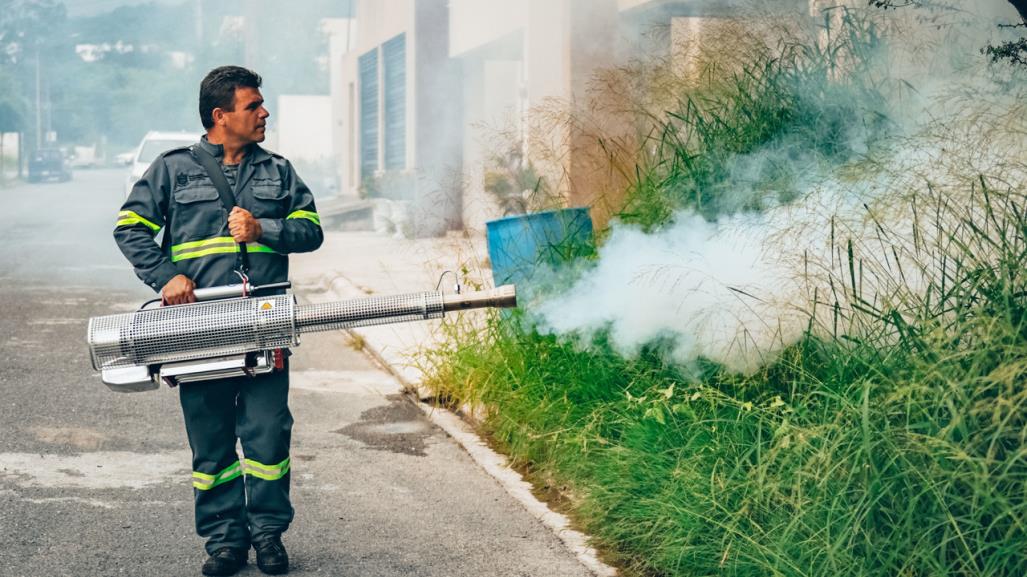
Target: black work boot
{"type": "Point", "coordinates": [225, 561]}
{"type": "Point", "coordinates": [271, 556]}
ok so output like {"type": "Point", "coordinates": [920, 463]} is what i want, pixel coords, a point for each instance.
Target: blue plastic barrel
{"type": "Point", "coordinates": [518, 245]}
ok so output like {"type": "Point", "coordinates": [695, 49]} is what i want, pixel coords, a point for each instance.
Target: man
{"type": "Point", "coordinates": [245, 502]}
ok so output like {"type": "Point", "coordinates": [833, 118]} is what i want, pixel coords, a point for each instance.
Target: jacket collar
{"type": "Point", "coordinates": [254, 153]}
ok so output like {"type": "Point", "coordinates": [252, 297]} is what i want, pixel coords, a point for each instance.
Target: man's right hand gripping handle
{"type": "Point", "coordinates": [178, 291]}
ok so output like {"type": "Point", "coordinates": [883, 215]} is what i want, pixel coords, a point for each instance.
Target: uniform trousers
{"type": "Point", "coordinates": [240, 501]}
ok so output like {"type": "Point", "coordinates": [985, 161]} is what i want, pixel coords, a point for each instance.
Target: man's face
{"type": "Point", "coordinates": [249, 119]}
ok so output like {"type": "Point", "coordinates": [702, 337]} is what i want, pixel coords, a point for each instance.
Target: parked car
{"type": "Point", "coordinates": [83, 157]}
{"type": "Point", "coordinates": [125, 158]}
{"type": "Point", "coordinates": [49, 163]}
{"type": "Point", "coordinates": [152, 145]}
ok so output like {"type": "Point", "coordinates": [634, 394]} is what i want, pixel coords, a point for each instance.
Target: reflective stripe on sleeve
{"type": "Point", "coordinates": [311, 216]}
{"type": "Point", "coordinates": [129, 218]}
{"type": "Point", "coordinates": [205, 482]}
{"type": "Point", "coordinates": [265, 472]}
{"type": "Point", "coordinates": [218, 245]}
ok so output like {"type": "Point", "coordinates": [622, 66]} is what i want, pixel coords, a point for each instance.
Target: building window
{"type": "Point", "coordinates": [368, 66]}
{"type": "Point", "coordinates": [395, 78]}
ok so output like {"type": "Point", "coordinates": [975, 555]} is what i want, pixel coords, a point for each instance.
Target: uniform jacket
{"type": "Point", "coordinates": [176, 195]}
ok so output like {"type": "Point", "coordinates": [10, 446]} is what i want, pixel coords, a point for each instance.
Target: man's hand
{"type": "Point", "coordinates": [242, 226]}
{"type": "Point", "coordinates": [178, 291]}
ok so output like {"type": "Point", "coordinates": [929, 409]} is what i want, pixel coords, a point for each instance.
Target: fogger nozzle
{"type": "Point", "coordinates": [500, 297]}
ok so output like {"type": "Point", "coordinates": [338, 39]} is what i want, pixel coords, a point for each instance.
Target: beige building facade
{"type": "Point", "coordinates": [400, 100]}
{"type": "Point", "coordinates": [444, 102]}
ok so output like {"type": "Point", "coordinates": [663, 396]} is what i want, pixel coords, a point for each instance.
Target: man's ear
{"type": "Point", "coordinates": [218, 115]}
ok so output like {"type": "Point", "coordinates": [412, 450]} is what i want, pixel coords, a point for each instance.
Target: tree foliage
{"type": "Point", "coordinates": [117, 74]}
{"type": "Point", "coordinates": [28, 29]}
{"type": "Point", "coordinates": [29, 25]}
{"type": "Point", "coordinates": [1013, 51]}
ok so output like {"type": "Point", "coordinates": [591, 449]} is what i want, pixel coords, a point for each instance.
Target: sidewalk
{"type": "Point", "coordinates": [359, 264]}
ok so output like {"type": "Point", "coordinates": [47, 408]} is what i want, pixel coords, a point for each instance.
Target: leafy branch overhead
{"type": "Point", "coordinates": [1014, 51]}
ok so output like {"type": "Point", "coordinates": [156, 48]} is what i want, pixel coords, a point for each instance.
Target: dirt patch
{"type": "Point", "coordinates": [398, 427]}
{"type": "Point", "coordinates": [77, 437]}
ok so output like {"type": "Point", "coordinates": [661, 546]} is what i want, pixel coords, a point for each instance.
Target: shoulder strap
{"type": "Point", "coordinates": [210, 165]}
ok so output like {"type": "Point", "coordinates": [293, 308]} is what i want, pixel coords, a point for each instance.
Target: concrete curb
{"type": "Point", "coordinates": [496, 465]}
{"type": "Point", "coordinates": [493, 463]}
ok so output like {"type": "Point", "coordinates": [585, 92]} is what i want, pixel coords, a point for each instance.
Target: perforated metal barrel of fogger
{"type": "Point", "coordinates": [234, 326]}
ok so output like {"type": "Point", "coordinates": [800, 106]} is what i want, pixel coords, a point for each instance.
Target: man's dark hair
{"type": "Point", "coordinates": [218, 90]}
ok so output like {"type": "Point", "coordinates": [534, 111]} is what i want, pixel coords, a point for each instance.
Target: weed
{"type": "Point", "coordinates": [887, 440]}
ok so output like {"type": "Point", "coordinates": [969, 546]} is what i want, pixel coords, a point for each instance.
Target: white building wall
{"type": "Point", "coordinates": [475, 23]}
{"type": "Point", "coordinates": [511, 57]}
{"type": "Point", "coordinates": [630, 4]}
{"type": "Point", "coordinates": [340, 37]}
{"type": "Point", "coordinates": [493, 103]}
{"type": "Point", "coordinates": [9, 155]}
{"type": "Point", "coordinates": [431, 118]}
{"type": "Point", "coordinates": [302, 131]}
{"type": "Point", "coordinates": [376, 22]}
{"type": "Point", "coordinates": [528, 58]}
{"type": "Point", "coordinates": [379, 20]}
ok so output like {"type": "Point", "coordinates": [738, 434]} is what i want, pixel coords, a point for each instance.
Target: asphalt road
{"type": "Point", "coordinates": [98, 483]}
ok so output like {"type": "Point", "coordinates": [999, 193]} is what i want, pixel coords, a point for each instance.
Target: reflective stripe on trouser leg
{"type": "Point", "coordinates": [205, 482]}
{"type": "Point", "coordinates": [220, 500]}
{"type": "Point", "coordinates": [265, 430]}
{"type": "Point", "coordinates": [265, 472]}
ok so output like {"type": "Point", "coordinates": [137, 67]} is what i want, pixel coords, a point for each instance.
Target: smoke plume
{"type": "Point", "coordinates": [738, 288]}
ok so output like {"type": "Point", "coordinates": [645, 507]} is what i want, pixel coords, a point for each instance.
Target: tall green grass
{"type": "Point", "coordinates": [888, 441]}
{"type": "Point", "coordinates": [784, 109]}
{"type": "Point", "coordinates": [900, 452]}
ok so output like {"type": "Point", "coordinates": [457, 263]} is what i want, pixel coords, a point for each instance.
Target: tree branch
{"type": "Point", "coordinates": [1021, 8]}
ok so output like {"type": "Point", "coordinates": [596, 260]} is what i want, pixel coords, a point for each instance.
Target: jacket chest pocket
{"type": "Point", "coordinates": [269, 199]}
{"type": "Point", "coordinates": [198, 213]}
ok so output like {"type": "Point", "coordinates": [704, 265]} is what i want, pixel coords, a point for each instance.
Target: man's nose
{"type": "Point", "coordinates": [264, 113]}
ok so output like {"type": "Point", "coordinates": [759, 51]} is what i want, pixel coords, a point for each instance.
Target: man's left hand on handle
{"type": "Point", "coordinates": [242, 226]}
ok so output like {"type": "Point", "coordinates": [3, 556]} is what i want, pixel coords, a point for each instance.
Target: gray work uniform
{"type": "Point", "coordinates": [237, 501]}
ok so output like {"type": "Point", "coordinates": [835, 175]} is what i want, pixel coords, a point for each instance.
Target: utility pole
{"type": "Point", "coordinates": [198, 19]}
{"type": "Point", "coordinates": [48, 106]}
{"type": "Point", "coordinates": [39, 99]}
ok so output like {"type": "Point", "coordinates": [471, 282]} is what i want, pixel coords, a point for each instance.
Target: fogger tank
{"type": "Point", "coordinates": [222, 337]}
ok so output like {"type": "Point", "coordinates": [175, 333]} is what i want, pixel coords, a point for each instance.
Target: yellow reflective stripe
{"type": "Point", "coordinates": [129, 218]}
{"type": "Point", "coordinates": [197, 243]}
{"type": "Point", "coordinates": [198, 254]}
{"type": "Point", "coordinates": [257, 247]}
{"type": "Point", "coordinates": [266, 472]}
{"type": "Point", "coordinates": [202, 247]}
{"type": "Point", "coordinates": [217, 241]}
{"type": "Point", "coordinates": [219, 245]}
{"type": "Point", "coordinates": [311, 216]}
{"type": "Point", "coordinates": [205, 482]}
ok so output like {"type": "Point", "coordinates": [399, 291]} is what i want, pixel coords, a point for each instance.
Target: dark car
{"type": "Point", "coordinates": [47, 163]}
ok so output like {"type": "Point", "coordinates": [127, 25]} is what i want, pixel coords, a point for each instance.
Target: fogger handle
{"type": "Point", "coordinates": [236, 290]}
{"type": "Point", "coordinates": [501, 297]}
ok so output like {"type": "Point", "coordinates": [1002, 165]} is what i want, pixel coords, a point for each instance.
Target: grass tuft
{"type": "Point", "coordinates": [889, 440]}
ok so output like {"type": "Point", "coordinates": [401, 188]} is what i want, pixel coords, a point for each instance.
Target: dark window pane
{"type": "Point", "coordinates": [368, 65]}
{"type": "Point", "coordinates": [394, 72]}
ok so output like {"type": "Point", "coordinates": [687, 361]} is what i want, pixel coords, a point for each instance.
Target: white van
{"type": "Point", "coordinates": [151, 146]}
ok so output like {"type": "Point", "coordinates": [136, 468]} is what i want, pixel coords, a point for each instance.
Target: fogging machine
{"type": "Point", "coordinates": [240, 330]}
